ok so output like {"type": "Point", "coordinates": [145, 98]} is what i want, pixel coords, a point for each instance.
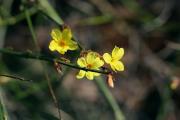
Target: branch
{"type": "Point", "coordinates": [31, 28]}
{"type": "Point", "coordinates": [14, 19]}
{"type": "Point", "coordinates": [30, 55]}
{"type": "Point", "coordinates": [15, 77]}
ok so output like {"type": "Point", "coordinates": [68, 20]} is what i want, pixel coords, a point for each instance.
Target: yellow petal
{"type": "Point", "coordinates": [97, 63]}
{"type": "Point", "coordinates": [118, 65]}
{"type": "Point", "coordinates": [62, 50]}
{"type": "Point", "coordinates": [66, 34]}
{"type": "Point", "coordinates": [96, 74]}
{"type": "Point", "coordinates": [81, 62]}
{"type": "Point", "coordinates": [53, 45]}
{"type": "Point", "coordinates": [81, 74]}
{"type": "Point", "coordinates": [72, 45]}
{"type": "Point", "coordinates": [107, 57]}
{"type": "Point", "coordinates": [90, 75]}
{"type": "Point", "coordinates": [91, 56]}
{"type": "Point", "coordinates": [117, 53]}
{"type": "Point", "coordinates": [113, 67]}
{"type": "Point", "coordinates": [56, 34]}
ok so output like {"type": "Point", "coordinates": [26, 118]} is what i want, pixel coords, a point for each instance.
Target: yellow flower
{"type": "Point", "coordinates": [90, 61]}
{"type": "Point", "coordinates": [114, 59]}
{"type": "Point", "coordinates": [62, 41]}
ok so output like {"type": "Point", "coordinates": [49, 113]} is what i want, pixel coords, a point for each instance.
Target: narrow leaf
{"type": "Point", "coordinates": [46, 8]}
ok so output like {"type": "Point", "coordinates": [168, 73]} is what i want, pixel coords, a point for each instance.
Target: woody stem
{"type": "Point", "coordinates": [30, 55]}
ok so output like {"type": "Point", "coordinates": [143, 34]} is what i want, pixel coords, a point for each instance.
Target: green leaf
{"type": "Point", "coordinates": [46, 8]}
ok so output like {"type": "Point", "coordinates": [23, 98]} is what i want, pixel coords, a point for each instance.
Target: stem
{"type": "Point", "coordinates": [14, 19]}
{"type": "Point", "coordinates": [107, 94]}
{"type": "Point", "coordinates": [27, 13]}
{"type": "Point", "coordinates": [15, 77]}
{"type": "Point", "coordinates": [52, 93]}
{"type": "Point", "coordinates": [30, 55]}
{"type": "Point", "coordinates": [29, 21]}
{"type": "Point", "coordinates": [3, 112]}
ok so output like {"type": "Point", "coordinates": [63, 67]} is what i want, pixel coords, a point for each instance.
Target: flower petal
{"type": "Point", "coordinates": [107, 57]}
{"type": "Point", "coordinates": [62, 50]}
{"type": "Point", "coordinates": [91, 56]}
{"type": "Point", "coordinates": [97, 63]}
{"type": "Point", "coordinates": [81, 74]}
{"type": "Point", "coordinates": [113, 67]}
{"type": "Point", "coordinates": [117, 53]}
{"type": "Point", "coordinates": [66, 34]}
{"type": "Point", "coordinates": [90, 75]}
{"type": "Point", "coordinates": [81, 62]}
{"type": "Point", "coordinates": [72, 45]}
{"type": "Point", "coordinates": [53, 45]}
{"type": "Point", "coordinates": [56, 34]}
{"type": "Point", "coordinates": [96, 74]}
{"type": "Point", "coordinates": [118, 65]}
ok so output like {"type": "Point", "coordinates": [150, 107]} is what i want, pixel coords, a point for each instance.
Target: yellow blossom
{"type": "Point", "coordinates": [62, 41]}
{"type": "Point", "coordinates": [90, 61]}
{"type": "Point", "coordinates": [114, 59]}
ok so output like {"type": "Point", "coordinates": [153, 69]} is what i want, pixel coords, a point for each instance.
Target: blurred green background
{"type": "Point", "coordinates": [148, 30]}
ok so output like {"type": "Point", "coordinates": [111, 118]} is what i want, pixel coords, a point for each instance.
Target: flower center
{"type": "Point", "coordinates": [112, 60]}
{"type": "Point", "coordinates": [62, 43]}
{"type": "Point", "coordinates": [89, 66]}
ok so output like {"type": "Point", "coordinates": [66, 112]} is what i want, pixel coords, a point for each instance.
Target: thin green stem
{"type": "Point", "coordinates": [30, 55]}
{"type": "Point", "coordinates": [15, 77]}
{"type": "Point", "coordinates": [14, 19]}
{"type": "Point", "coordinates": [107, 94]}
{"type": "Point", "coordinates": [52, 93]}
{"type": "Point", "coordinates": [3, 112]}
{"type": "Point", "coordinates": [29, 21]}
{"type": "Point", "coordinates": [30, 25]}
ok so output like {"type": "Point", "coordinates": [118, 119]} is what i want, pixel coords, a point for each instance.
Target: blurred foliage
{"type": "Point", "coordinates": [2, 112]}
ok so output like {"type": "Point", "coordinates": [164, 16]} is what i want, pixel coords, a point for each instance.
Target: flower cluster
{"type": "Point", "coordinates": [90, 61]}
{"type": "Point", "coordinates": [62, 42]}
